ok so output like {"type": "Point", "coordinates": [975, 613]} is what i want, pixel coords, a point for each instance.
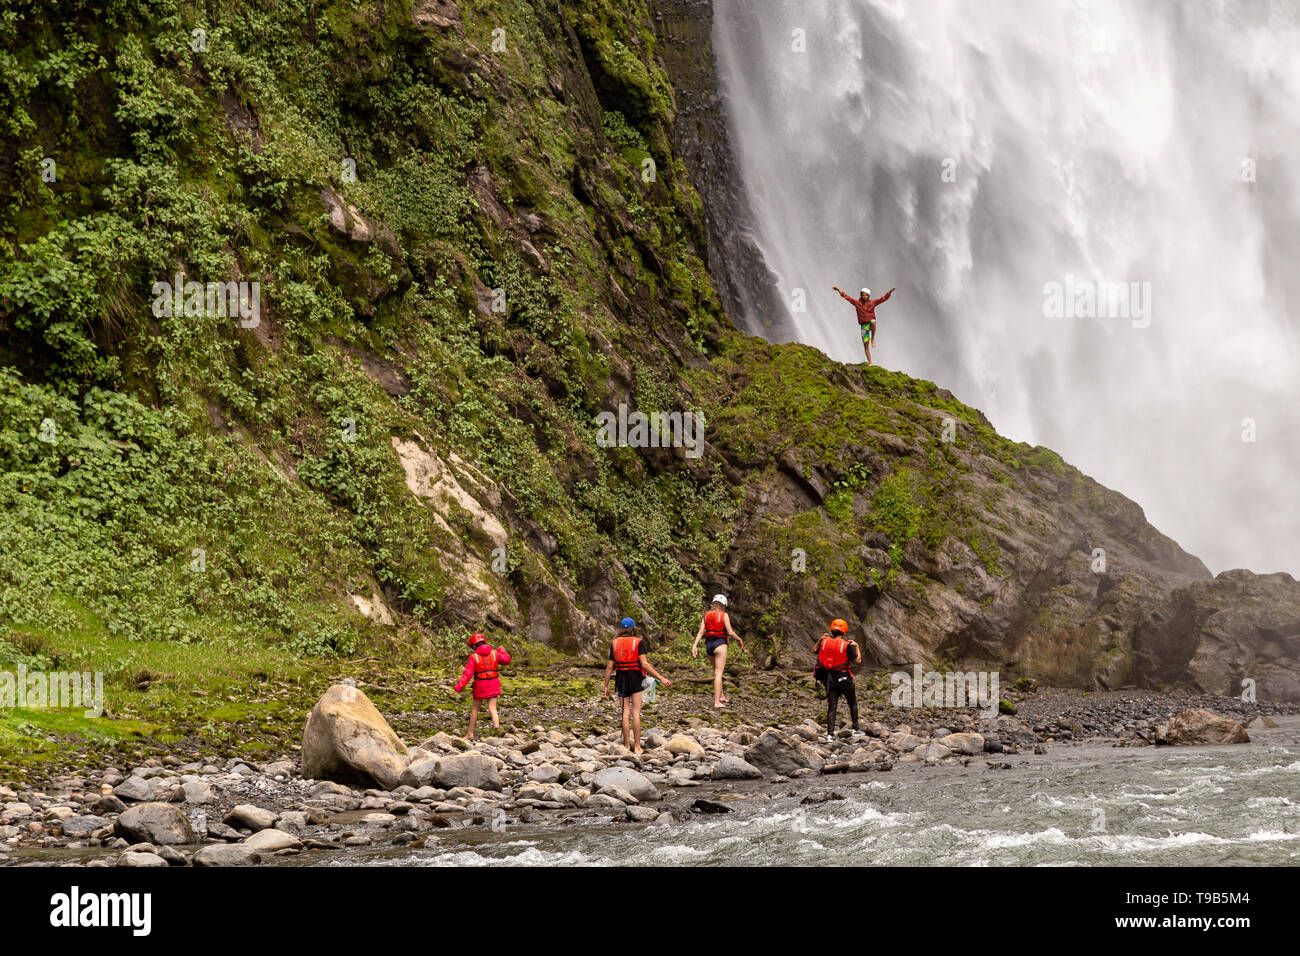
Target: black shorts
{"type": "Point", "coordinates": [713, 643]}
{"type": "Point", "coordinates": [627, 683]}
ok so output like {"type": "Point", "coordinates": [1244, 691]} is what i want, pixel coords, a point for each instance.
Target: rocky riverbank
{"type": "Point", "coordinates": [202, 811]}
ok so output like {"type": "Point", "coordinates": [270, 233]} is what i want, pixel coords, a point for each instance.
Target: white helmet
{"type": "Point", "coordinates": [720, 599]}
{"type": "Point", "coordinates": [866, 293]}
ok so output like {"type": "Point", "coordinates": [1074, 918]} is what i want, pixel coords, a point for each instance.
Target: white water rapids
{"type": "Point", "coordinates": [972, 153]}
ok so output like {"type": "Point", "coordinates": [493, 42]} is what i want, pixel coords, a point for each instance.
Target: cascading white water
{"type": "Point", "coordinates": [971, 153]}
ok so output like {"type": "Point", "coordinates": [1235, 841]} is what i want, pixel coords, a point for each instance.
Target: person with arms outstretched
{"type": "Point", "coordinates": [866, 308]}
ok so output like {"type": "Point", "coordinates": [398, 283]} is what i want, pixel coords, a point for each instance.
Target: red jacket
{"type": "Point", "coordinates": [867, 310]}
{"type": "Point", "coordinates": [488, 686]}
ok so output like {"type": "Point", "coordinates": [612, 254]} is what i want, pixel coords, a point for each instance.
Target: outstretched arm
{"type": "Point", "coordinates": [876, 302]}
{"type": "Point", "coordinates": [846, 295]}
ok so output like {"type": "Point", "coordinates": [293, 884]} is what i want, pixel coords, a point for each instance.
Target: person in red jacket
{"type": "Point", "coordinates": [836, 656]}
{"type": "Point", "coordinates": [866, 308]}
{"type": "Point", "coordinates": [483, 668]}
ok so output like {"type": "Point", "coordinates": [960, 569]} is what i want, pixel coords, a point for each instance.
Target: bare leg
{"type": "Point", "coordinates": [473, 718]}
{"type": "Point", "coordinates": [627, 730]}
{"type": "Point", "coordinates": [492, 711]}
{"type": "Point", "coordinates": [719, 665]}
{"type": "Point", "coordinates": [635, 737]}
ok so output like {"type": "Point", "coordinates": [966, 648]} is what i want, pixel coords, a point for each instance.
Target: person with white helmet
{"type": "Point", "coordinates": [866, 308]}
{"type": "Point", "coordinates": [716, 627]}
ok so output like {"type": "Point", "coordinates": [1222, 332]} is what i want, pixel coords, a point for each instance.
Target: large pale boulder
{"type": "Point", "coordinates": [347, 739]}
{"type": "Point", "coordinates": [1197, 725]}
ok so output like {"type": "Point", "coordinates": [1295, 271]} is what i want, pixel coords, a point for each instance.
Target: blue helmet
{"type": "Point", "coordinates": [627, 622]}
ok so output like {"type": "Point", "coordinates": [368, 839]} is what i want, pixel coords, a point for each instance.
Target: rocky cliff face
{"type": "Point", "coordinates": [1235, 634]}
{"type": "Point", "coordinates": [747, 287]}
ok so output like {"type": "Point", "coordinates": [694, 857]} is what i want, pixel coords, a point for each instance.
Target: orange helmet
{"type": "Point", "coordinates": [475, 639]}
{"type": "Point", "coordinates": [839, 625]}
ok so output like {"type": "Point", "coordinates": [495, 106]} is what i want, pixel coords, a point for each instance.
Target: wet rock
{"type": "Point", "coordinates": [776, 754]}
{"type": "Point", "coordinates": [173, 856]}
{"type": "Point", "coordinates": [963, 743]}
{"type": "Point", "coordinates": [1199, 726]}
{"type": "Point", "coordinates": [639, 814]}
{"type": "Point", "coordinates": [131, 859]}
{"type": "Point", "coordinates": [710, 806]}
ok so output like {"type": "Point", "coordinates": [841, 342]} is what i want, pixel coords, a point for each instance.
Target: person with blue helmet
{"type": "Point", "coordinates": [627, 660]}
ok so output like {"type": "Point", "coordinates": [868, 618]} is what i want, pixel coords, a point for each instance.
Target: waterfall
{"type": "Point", "coordinates": [995, 160]}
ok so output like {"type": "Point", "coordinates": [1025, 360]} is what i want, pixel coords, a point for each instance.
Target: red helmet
{"type": "Point", "coordinates": [840, 625]}
{"type": "Point", "coordinates": [476, 639]}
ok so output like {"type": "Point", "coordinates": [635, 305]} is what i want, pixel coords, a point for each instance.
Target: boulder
{"type": "Point", "coordinates": [546, 773]}
{"type": "Point", "coordinates": [467, 770]}
{"type": "Point", "coordinates": [626, 779]}
{"type": "Point", "coordinates": [157, 823]}
{"type": "Point", "coordinates": [82, 826]}
{"type": "Point", "coordinates": [227, 854]}
{"type": "Point", "coordinates": [152, 860]}
{"type": "Point", "coordinates": [134, 789]}
{"type": "Point", "coordinates": [196, 792]}
{"type": "Point", "coordinates": [680, 745]}
{"type": "Point", "coordinates": [1197, 725]}
{"type": "Point", "coordinates": [776, 754]}
{"type": "Point", "coordinates": [732, 767]}
{"type": "Point", "coordinates": [248, 817]}
{"type": "Point", "coordinates": [346, 739]}
{"type": "Point", "coordinates": [419, 772]}
{"type": "Point", "coordinates": [969, 744]}
{"type": "Point", "coordinates": [268, 841]}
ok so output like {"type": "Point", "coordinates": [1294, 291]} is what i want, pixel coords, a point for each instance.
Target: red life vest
{"type": "Point", "coordinates": [833, 654]}
{"type": "Point", "coordinates": [485, 665]}
{"type": "Point", "coordinates": [626, 656]}
{"type": "Point", "coordinates": [715, 626]}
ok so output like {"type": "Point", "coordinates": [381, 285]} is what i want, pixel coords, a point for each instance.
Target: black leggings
{"type": "Point", "coordinates": [849, 691]}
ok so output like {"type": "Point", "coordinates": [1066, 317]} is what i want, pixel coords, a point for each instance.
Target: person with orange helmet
{"type": "Point", "coordinates": [716, 627]}
{"type": "Point", "coordinates": [836, 655]}
{"type": "Point", "coordinates": [627, 661]}
{"type": "Point", "coordinates": [483, 668]}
